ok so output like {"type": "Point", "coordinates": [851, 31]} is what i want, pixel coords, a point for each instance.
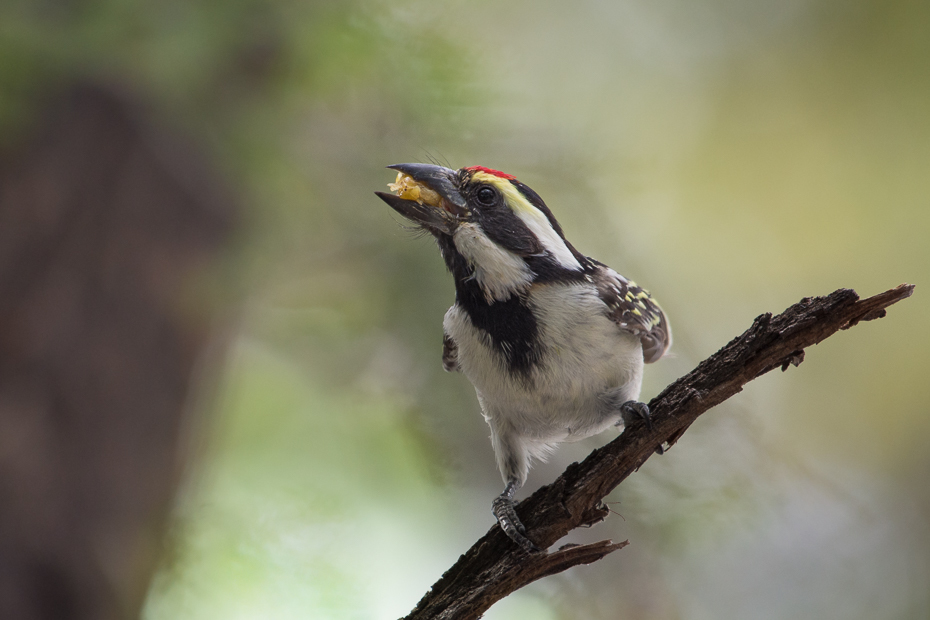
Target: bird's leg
{"type": "Point", "coordinates": [504, 512]}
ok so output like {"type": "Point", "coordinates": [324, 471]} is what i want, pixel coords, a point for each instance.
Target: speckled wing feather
{"type": "Point", "coordinates": [450, 354]}
{"type": "Point", "coordinates": [633, 310]}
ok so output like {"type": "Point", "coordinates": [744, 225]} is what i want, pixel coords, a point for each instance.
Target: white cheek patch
{"type": "Point", "coordinates": [498, 272]}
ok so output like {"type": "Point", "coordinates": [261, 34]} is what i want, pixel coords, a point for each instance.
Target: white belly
{"type": "Point", "coordinates": [586, 355]}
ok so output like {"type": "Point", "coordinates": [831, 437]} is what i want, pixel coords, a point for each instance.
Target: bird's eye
{"type": "Point", "coordinates": [486, 196]}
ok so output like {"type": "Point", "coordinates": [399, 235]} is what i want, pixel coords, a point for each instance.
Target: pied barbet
{"type": "Point", "coordinates": [553, 341]}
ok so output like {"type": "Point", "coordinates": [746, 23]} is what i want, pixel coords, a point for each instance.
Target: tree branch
{"type": "Point", "coordinates": [494, 566]}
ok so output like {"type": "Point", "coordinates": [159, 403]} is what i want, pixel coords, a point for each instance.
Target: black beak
{"type": "Point", "coordinates": [439, 179]}
{"type": "Point", "coordinates": [442, 181]}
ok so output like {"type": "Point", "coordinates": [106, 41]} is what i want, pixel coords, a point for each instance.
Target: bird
{"type": "Point", "coordinates": [554, 342]}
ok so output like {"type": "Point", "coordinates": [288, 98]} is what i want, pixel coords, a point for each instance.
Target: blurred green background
{"type": "Point", "coordinates": [732, 157]}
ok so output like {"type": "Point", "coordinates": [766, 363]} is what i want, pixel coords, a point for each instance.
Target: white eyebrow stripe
{"type": "Point", "coordinates": [534, 219]}
{"type": "Point", "coordinates": [539, 225]}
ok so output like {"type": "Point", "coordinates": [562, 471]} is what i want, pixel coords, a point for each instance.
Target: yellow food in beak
{"type": "Point", "coordinates": [408, 189]}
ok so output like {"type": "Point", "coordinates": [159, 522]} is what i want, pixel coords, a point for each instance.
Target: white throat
{"type": "Point", "coordinates": [498, 272]}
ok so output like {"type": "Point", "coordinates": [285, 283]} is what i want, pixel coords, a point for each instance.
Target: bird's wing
{"type": "Point", "coordinates": [633, 310]}
{"type": "Point", "coordinates": [450, 354]}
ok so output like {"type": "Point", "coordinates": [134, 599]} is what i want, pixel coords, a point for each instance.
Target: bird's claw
{"type": "Point", "coordinates": [506, 516]}
{"type": "Point", "coordinates": [632, 410]}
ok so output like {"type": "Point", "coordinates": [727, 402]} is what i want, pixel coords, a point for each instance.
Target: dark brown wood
{"type": "Point", "coordinates": [494, 566]}
{"type": "Point", "coordinates": [107, 223]}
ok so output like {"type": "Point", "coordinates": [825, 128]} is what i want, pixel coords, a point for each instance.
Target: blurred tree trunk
{"type": "Point", "coordinates": [107, 227]}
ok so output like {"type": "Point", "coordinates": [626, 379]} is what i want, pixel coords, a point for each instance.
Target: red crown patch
{"type": "Point", "coordinates": [491, 171]}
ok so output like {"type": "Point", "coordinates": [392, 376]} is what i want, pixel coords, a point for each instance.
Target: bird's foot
{"type": "Point", "coordinates": [504, 512]}
{"type": "Point", "coordinates": [634, 410]}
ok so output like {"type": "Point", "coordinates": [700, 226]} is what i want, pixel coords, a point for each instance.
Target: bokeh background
{"type": "Point", "coordinates": [732, 157]}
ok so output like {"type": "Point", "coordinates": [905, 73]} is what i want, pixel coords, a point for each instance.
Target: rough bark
{"type": "Point", "coordinates": [106, 224]}
{"type": "Point", "coordinates": [494, 566]}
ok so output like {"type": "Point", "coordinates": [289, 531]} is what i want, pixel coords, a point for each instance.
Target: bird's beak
{"type": "Point", "coordinates": [427, 195]}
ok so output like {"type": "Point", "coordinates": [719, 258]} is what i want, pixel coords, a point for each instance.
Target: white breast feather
{"type": "Point", "coordinates": [586, 356]}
